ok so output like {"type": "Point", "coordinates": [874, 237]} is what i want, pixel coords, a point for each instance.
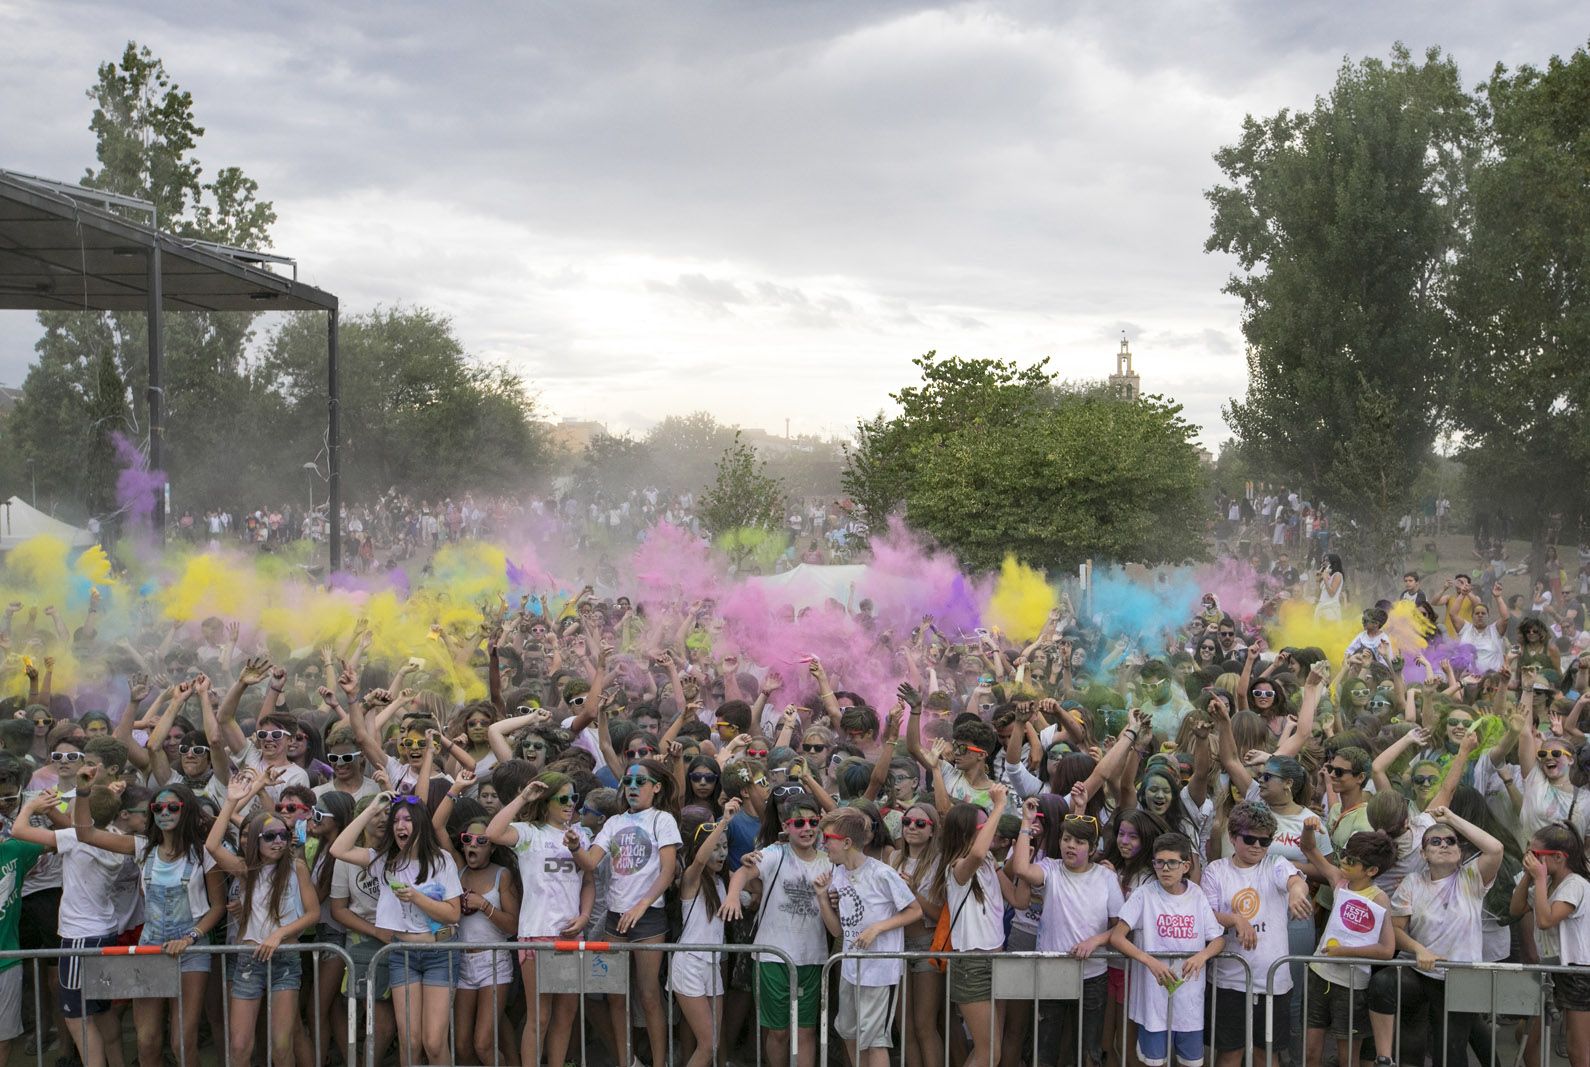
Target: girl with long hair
{"type": "Point", "coordinates": [420, 901]}
{"type": "Point", "coordinates": [644, 843]}
{"type": "Point", "coordinates": [490, 913]}
{"type": "Point", "coordinates": [556, 899]}
{"type": "Point", "coordinates": [184, 899]}
{"type": "Point", "coordinates": [331, 813]}
{"type": "Point", "coordinates": [916, 861]}
{"type": "Point", "coordinates": [967, 881]}
{"type": "Point", "coordinates": [696, 978]}
{"type": "Point", "coordinates": [277, 904]}
{"type": "Point", "coordinates": [702, 783]}
{"type": "Point", "coordinates": [1556, 886]}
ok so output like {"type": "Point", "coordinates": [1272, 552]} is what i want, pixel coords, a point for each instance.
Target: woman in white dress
{"type": "Point", "coordinates": [1332, 590]}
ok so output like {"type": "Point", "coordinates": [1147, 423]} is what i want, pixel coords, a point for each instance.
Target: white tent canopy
{"type": "Point", "coordinates": [19, 521]}
{"type": "Point", "coordinates": [808, 585]}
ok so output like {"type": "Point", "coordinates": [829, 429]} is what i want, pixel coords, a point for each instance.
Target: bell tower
{"type": "Point", "coordinates": [1125, 381]}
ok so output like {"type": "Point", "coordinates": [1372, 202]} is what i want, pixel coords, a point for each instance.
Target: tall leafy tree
{"type": "Point", "coordinates": [146, 137]}
{"type": "Point", "coordinates": [1344, 220]}
{"type": "Point", "coordinates": [742, 494]}
{"type": "Point", "coordinates": [990, 458]}
{"type": "Point", "coordinates": [1521, 304]}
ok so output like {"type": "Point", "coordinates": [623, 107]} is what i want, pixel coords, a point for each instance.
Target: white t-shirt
{"type": "Point", "coordinates": [1544, 805]}
{"type": "Point", "coordinates": [88, 887]}
{"type": "Point", "coordinates": [441, 884]}
{"type": "Point", "coordinates": [552, 880]}
{"type": "Point", "coordinates": [292, 773]}
{"type": "Point", "coordinates": [789, 918]}
{"type": "Point", "coordinates": [635, 841]}
{"type": "Point", "coordinates": [1259, 895]}
{"type": "Point", "coordinates": [359, 887]}
{"type": "Point", "coordinates": [978, 926]}
{"type": "Point", "coordinates": [1489, 647]}
{"type": "Point", "coordinates": [1077, 906]}
{"type": "Point", "coordinates": [1444, 916]}
{"type": "Point", "coordinates": [1574, 931]}
{"type": "Point", "coordinates": [1203, 819]}
{"type": "Point", "coordinates": [367, 788]}
{"type": "Point", "coordinates": [1287, 841]}
{"type": "Point", "coordinates": [1410, 857]}
{"type": "Point", "coordinates": [870, 894]}
{"type": "Point", "coordinates": [406, 777]}
{"type": "Point", "coordinates": [1163, 922]}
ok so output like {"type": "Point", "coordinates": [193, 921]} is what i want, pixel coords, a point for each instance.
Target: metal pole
{"type": "Point", "coordinates": [333, 445]}
{"type": "Point", "coordinates": [156, 390]}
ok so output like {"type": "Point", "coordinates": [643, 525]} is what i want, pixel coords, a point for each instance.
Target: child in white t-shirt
{"type": "Point", "coordinates": [867, 905]}
{"type": "Point", "coordinates": [1253, 894]}
{"type": "Point", "coordinates": [1559, 877]}
{"type": "Point", "coordinates": [1169, 916]}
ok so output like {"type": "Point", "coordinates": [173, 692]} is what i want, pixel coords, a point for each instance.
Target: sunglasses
{"type": "Point", "coordinates": [1424, 779]}
{"type": "Point", "coordinates": [961, 748]}
{"type": "Point", "coordinates": [272, 837]}
{"type": "Point", "coordinates": [1228, 633]}
{"type": "Point", "coordinates": [801, 824]}
{"type": "Point", "coordinates": [413, 744]}
{"type": "Point", "coordinates": [814, 749]}
{"type": "Point", "coordinates": [1338, 772]}
{"type": "Point", "coordinates": [1253, 839]}
{"type": "Point", "coordinates": [1547, 853]}
{"type": "Point", "coordinates": [641, 752]}
{"type": "Point", "coordinates": [290, 809]}
{"type": "Point", "coordinates": [269, 735]}
{"type": "Point", "coordinates": [1552, 753]}
{"type": "Point", "coordinates": [568, 800]}
{"type": "Point", "coordinates": [1380, 702]}
{"type": "Point", "coordinates": [1458, 722]}
{"type": "Point", "coordinates": [1169, 865]}
{"type": "Point", "coordinates": [704, 828]}
{"type": "Point", "coordinates": [834, 837]}
{"type": "Point", "coordinates": [782, 791]}
{"type": "Point", "coordinates": [405, 798]}
{"type": "Point", "coordinates": [197, 750]}
{"type": "Point", "coordinates": [756, 753]}
{"type": "Point", "coordinates": [1265, 777]}
{"type": "Point", "coordinates": [1263, 693]}
{"type": "Point", "coordinates": [532, 746]}
{"type": "Point", "coordinates": [473, 839]}
{"type": "Point", "coordinates": [1440, 842]}
{"type": "Point", "coordinates": [702, 776]}
{"type": "Point", "coordinates": [478, 724]}
{"type": "Point", "coordinates": [639, 781]}
{"type": "Point", "coordinates": [917, 824]}
{"type": "Point", "coordinates": [576, 701]}
{"type": "Point", "coordinates": [319, 814]}
{"type": "Point", "coordinates": [1058, 751]}
{"type": "Point", "coordinates": [65, 757]}
{"type": "Point", "coordinates": [166, 807]}
{"type": "Point", "coordinates": [339, 758]}
{"type": "Point", "coordinates": [1084, 819]}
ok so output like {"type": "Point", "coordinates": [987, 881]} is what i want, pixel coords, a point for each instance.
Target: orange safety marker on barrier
{"type": "Point", "coordinates": [581, 946]}
{"type": "Point", "coordinates": [131, 950]}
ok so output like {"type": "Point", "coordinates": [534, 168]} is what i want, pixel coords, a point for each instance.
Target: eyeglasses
{"type": "Point", "coordinates": [478, 724]}
{"type": "Point", "coordinates": [576, 701]}
{"type": "Point", "coordinates": [756, 753]}
{"type": "Point", "coordinates": [961, 748]}
{"type": "Point", "coordinates": [704, 828]}
{"type": "Point", "coordinates": [1338, 772]}
{"type": "Point", "coordinates": [1263, 694]}
{"type": "Point", "coordinates": [1458, 722]}
{"type": "Point", "coordinates": [702, 776]}
{"type": "Point", "coordinates": [197, 750]}
{"type": "Point", "coordinates": [293, 808]}
{"type": "Point", "coordinates": [1253, 839]}
{"type": "Point", "coordinates": [269, 735]}
{"type": "Point", "coordinates": [473, 839]}
{"type": "Point", "coordinates": [413, 744]}
{"type": "Point", "coordinates": [1265, 777]}
{"type": "Point", "coordinates": [532, 746]}
{"type": "Point", "coordinates": [1228, 633]}
{"type": "Point", "coordinates": [272, 837]}
{"type": "Point", "coordinates": [1082, 819]}
{"type": "Point", "coordinates": [166, 807]}
{"type": "Point", "coordinates": [639, 781]}
{"type": "Point", "coordinates": [759, 781]}
{"type": "Point", "coordinates": [405, 798]}
{"type": "Point", "coordinates": [814, 749]}
{"type": "Point", "coordinates": [1440, 842]}
{"type": "Point", "coordinates": [568, 800]}
{"type": "Point", "coordinates": [782, 791]}
{"type": "Point", "coordinates": [1058, 751]}
{"type": "Point", "coordinates": [319, 814]}
{"type": "Point", "coordinates": [1380, 702]}
{"type": "Point", "coordinates": [1552, 753]}
{"type": "Point", "coordinates": [641, 753]}
{"type": "Point", "coordinates": [1169, 865]}
{"type": "Point", "coordinates": [917, 824]}
{"type": "Point", "coordinates": [1547, 853]}
{"type": "Point", "coordinates": [834, 837]}
{"type": "Point", "coordinates": [726, 725]}
{"type": "Point", "coordinates": [339, 758]}
{"type": "Point", "coordinates": [801, 824]}
{"type": "Point", "coordinates": [1424, 779]}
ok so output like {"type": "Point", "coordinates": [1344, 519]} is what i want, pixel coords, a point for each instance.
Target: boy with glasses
{"type": "Point", "coordinates": [1168, 915]}
{"type": "Point", "coordinates": [267, 751]}
{"type": "Point", "coordinates": [347, 766]}
{"type": "Point", "coordinates": [1345, 773]}
{"type": "Point", "coordinates": [1253, 892]}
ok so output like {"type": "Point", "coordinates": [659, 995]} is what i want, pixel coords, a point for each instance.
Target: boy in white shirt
{"type": "Point", "coordinates": [1169, 916]}
{"type": "Point", "coordinates": [867, 905]}
{"type": "Point", "coordinates": [1253, 893]}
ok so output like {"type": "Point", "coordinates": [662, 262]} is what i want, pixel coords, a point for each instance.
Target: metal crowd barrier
{"type": "Point", "coordinates": [1484, 989]}
{"type": "Point", "coordinates": [143, 972]}
{"type": "Point", "coordinates": [1043, 978]}
{"type": "Point", "coordinates": [581, 968]}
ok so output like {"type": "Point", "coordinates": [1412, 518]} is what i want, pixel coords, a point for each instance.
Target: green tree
{"type": "Point", "coordinates": [1521, 303]}
{"type": "Point", "coordinates": [418, 413]}
{"type": "Point", "coordinates": [615, 463]}
{"type": "Point", "coordinates": [990, 458]}
{"type": "Point", "coordinates": [684, 449]}
{"type": "Point", "coordinates": [1344, 220]}
{"type": "Point", "coordinates": [145, 140]}
{"type": "Point", "coordinates": [742, 496]}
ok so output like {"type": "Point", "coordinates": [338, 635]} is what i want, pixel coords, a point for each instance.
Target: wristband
{"type": "Point", "coordinates": [277, 688]}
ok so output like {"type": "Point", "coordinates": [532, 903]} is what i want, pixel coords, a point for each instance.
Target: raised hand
{"type": "Point", "coordinates": [254, 670]}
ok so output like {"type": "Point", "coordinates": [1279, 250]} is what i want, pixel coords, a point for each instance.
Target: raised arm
{"type": "Point", "coordinates": [1380, 769]}
{"type": "Point", "coordinates": [1313, 689]}
{"type": "Point", "coordinates": [966, 867]}
{"type": "Point", "coordinates": [1230, 758]}
{"type": "Point", "coordinates": [1490, 857]}
{"type": "Point", "coordinates": [253, 673]}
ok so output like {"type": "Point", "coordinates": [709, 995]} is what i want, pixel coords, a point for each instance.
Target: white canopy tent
{"type": "Point", "coordinates": [808, 585]}
{"type": "Point", "coordinates": [20, 521]}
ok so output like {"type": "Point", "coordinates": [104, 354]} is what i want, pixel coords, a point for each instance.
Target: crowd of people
{"type": "Point", "coordinates": [1180, 806]}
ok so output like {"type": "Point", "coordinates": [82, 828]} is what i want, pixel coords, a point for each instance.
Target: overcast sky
{"type": "Point", "coordinates": [760, 209]}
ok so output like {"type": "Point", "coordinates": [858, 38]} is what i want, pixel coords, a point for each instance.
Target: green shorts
{"type": "Point", "coordinates": [772, 995]}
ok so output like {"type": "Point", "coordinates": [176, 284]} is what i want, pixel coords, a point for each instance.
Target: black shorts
{"type": "Point", "coordinates": [653, 924]}
{"type": "Point", "coordinates": [1571, 990]}
{"type": "Point", "coordinates": [1328, 1009]}
{"type": "Point", "coordinates": [37, 923]}
{"type": "Point", "coordinates": [1233, 1009]}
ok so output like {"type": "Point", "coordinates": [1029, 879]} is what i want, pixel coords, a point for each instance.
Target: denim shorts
{"type": "Point", "coordinates": [413, 962]}
{"type": "Point", "coordinates": [284, 971]}
{"type": "Point", "coordinates": [362, 950]}
{"type": "Point", "coordinates": [155, 933]}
